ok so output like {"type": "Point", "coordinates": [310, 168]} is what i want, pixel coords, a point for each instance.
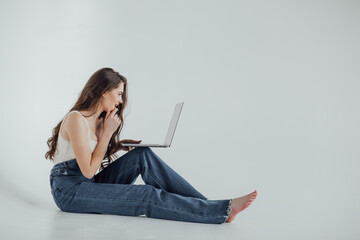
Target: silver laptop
{"type": "Point", "coordinates": [170, 133]}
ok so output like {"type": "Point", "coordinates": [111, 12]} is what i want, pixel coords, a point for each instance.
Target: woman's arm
{"type": "Point", "coordinates": [77, 132]}
{"type": "Point", "coordinates": [98, 154]}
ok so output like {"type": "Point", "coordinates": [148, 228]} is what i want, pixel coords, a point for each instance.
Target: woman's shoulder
{"type": "Point", "coordinates": [74, 119]}
{"type": "Point", "coordinates": [73, 122]}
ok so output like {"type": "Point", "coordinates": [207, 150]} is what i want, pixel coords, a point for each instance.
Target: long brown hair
{"type": "Point", "coordinates": [103, 80]}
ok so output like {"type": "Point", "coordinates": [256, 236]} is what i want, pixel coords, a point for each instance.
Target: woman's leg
{"type": "Point", "coordinates": [154, 171]}
{"type": "Point", "coordinates": [136, 200]}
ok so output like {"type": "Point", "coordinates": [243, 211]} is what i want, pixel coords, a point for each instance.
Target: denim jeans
{"type": "Point", "coordinates": [165, 195]}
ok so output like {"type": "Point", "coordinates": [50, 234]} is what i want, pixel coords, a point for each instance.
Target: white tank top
{"type": "Point", "coordinates": [65, 151]}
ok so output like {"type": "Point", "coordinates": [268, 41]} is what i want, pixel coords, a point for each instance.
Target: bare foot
{"type": "Point", "coordinates": [239, 204]}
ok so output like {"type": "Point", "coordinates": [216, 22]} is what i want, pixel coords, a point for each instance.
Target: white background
{"type": "Point", "coordinates": [270, 90]}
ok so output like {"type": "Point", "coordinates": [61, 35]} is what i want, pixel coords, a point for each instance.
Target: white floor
{"type": "Point", "coordinates": [25, 218]}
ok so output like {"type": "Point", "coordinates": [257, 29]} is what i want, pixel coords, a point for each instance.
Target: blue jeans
{"type": "Point", "coordinates": [165, 195]}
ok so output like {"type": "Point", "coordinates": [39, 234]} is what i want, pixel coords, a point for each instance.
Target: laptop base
{"type": "Point", "coordinates": [143, 145]}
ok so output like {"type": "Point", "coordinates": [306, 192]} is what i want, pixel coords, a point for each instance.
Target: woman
{"type": "Point", "coordinates": [86, 178]}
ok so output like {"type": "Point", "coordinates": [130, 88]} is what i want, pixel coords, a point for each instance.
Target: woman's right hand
{"type": "Point", "coordinates": [112, 121]}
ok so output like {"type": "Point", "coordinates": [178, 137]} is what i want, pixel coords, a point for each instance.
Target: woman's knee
{"type": "Point", "coordinates": [147, 154]}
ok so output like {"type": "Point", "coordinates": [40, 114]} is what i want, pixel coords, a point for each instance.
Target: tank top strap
{"type": "Point", "coordinates": [87, 123]}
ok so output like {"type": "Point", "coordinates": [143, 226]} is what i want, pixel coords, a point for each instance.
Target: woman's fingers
{"type": "Point", "coordinates": [115, 111]}
{"type": "Point", "coordinates": [127, 148]}
{"type": "Point", "coordinates": [130, 141]}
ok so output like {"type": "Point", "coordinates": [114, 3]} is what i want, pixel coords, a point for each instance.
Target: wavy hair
{"type": "Point", "coordinates": [103, 80]}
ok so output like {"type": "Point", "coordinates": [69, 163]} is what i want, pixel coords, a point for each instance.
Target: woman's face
{"type": "Point", "coordinates": [113, 98]}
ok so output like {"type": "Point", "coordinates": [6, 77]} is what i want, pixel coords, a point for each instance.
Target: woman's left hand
{"type": "Point", "coordinates": [129, 141]}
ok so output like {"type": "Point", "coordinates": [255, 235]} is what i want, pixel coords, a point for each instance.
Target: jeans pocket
{"type": "Point", "coordinates": [53, 185]}
{"type": "Point", "coordinates": [56, 197]}
{"type": "Point", "coordinates": [55, 191]}
{"type": "Point", "coordinates": [59, 171]}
